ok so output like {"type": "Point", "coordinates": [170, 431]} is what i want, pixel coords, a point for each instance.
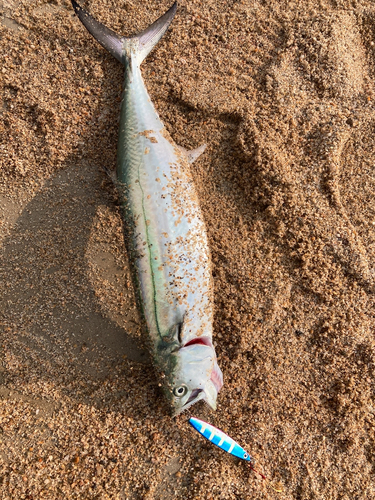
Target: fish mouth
{"type": "Point", "coordinates": [193, 395]}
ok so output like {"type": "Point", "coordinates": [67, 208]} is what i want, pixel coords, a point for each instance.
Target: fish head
{"type": "Point", "coordinates": [195, 376]}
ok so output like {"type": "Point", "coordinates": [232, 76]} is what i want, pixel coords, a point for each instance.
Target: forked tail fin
{"type": "Point", "coordinates": [121, 47]}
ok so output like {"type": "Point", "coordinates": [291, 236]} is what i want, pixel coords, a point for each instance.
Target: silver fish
{"type": "Point", "coordinates": [164, 228]}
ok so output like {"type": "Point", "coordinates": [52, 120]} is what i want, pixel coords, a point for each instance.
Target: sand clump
{"type": "Point", "coordinates": [283, 95]}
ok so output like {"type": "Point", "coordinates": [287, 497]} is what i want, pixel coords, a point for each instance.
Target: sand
{"type": "Point", "coordinates": [283, 94]}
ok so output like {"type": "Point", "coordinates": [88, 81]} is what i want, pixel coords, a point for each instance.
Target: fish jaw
{"type": "Point", "coordinates": [195, 376]}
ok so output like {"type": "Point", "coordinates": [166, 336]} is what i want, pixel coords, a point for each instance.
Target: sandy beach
{"type": "Point", "coordinates": [283, 94]}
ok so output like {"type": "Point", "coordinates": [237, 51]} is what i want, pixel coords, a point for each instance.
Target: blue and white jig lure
{"type": "Point", "coordinates": [226, 443]}
{"type": "Point", "coordinates": [219, 438]}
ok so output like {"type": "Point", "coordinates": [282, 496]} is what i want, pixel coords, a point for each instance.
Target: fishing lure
{"type": "Point", "coordinates": [226, 443]}
{"type": "Point", "coordinates": [219, 438]}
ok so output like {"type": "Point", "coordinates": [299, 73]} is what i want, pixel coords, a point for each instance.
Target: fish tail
{"type": "Point", "coordinates": [123, 48]}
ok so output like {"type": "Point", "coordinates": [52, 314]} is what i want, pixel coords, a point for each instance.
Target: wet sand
{"type": "Point", "coordinates": [283, 94]}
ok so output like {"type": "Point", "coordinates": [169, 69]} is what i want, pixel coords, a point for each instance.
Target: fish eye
{"type": "Point", "coordinates": [180, 391]}
{"type": "Point", "coordinates": [246, 455]}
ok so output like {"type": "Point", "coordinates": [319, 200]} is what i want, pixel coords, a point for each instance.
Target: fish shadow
{"type": "Point", "coordinates": [53, 319]}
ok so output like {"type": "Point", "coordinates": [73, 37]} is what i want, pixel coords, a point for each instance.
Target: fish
{"type": "Point", "coordinates": [219, 438]}
{"type": "Point", "coordinates": [164, 229]}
